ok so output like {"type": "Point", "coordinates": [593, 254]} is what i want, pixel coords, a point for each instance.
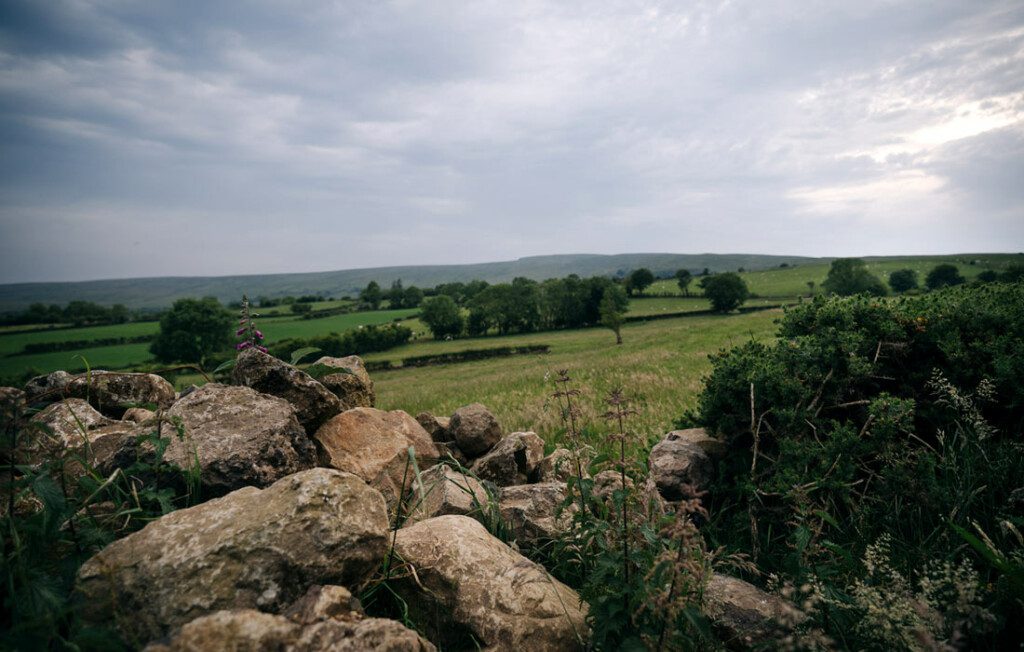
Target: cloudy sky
{"type": "Point", "coordinates": [184, 138]}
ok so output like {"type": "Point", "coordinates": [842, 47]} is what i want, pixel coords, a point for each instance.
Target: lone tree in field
{"type": "Point", "coordinates": [371, 295]}
{"type": "Point", "coordinates": [684, 278]}
{"type": "Point", "coordinates": [191, 330]}
{"type": "Point", "coordinates": [613, 307]}
{"type": "Point", "coordinates": [639, 280]}
{"type": "Point", "coordinates": [903, 280]}
{"type": "Point", "coordinates": [726, 291]}
{"type": "Point", "coordinates": [944, 275]}
{"type": "Point", "coordinates": [849, 276]}
{"type": "Point", "coordinates": [442, 316]}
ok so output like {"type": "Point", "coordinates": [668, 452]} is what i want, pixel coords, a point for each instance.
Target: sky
{"type": "Point", "coordinates": [203, 138]}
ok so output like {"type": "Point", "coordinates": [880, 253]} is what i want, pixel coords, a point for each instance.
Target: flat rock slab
{"type": "Point", "coordinates": [240, 437]}
{"type": "Point", "coordinates": [250, 549]}
{"type": "Point", "coordinates": [473, 586]}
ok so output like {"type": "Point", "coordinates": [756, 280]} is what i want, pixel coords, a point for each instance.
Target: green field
{"type": "Point", "coordinates": [660, 364]}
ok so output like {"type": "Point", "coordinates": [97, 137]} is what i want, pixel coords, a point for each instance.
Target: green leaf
{"type": "Point", "coordinates": [299, 354]}
{"type": "Point", "coordinates": [225, 366]}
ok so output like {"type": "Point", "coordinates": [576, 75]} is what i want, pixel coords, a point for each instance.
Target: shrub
{"type": "Point", "coordinates": [903, 280]}
{"type": "Point", "coordinates": [944, 275]}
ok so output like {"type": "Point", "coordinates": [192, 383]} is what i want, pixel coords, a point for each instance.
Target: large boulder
{"type": "Point", "coordinates": [676, 464]}
{"type": "Point", "coordinates": [534, 512]}
{"type": "Point", "coordinates": [437, 427]}
{"type": "Point", "coordinates": [351, 383]}
{"type": "Point", "coordinates": [471, 589]}
{"type": "Point", "coordinates": [512, 461]}
{"type": "Point", "coordinates": [113, 393]}
{"type": "Point", "coordinates": [443, 490]}
{"type": "Point", "coordinates": [743, 615]}
{"type": "Point", "coordinates": [248, 630]}
{"type": "Point", "coordinates": [313, 402]}
{"type": "Point", "coordinates": [374, 445]}
{"type": "Point", "coordinates": [474, 429]}
{"type": "Point", "coordinates": [74, 431]}
{"type": "Point", "coordinates": [240, 437]}
{"type": "Point", "coordinates": [250, 549]}
{"type": "Point", "coordinates": [699, 437]}
{"type": "Point", "coordinates": [47, 388]}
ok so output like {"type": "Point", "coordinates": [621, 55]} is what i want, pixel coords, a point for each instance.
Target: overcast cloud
{"type": "Point", "coordinates": [185, 138]}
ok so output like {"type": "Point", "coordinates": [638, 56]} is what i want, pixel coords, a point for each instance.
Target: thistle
{"type": "Point", "coordinates": [249, 336]}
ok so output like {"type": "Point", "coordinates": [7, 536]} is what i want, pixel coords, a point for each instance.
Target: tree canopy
{"type": "Point", "coordinates": [849, 276]}
{"type": "Point", "coordinates": [442, 316]}
{"type": "Point", "coordinates": [639, 280]}
{"type": "Point", "coordinates": [903, 280]}
{"type": "Point", "coordinates": [726, 291]}
{"type": "Point", "coordinates": [944, 275]}
{"type": "Point", "coordinates": [191, 330]}
{"type": "Point", "coordinates": [683, 279]}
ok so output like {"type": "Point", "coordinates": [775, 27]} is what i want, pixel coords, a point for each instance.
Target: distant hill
{"type": "Point", "coordinates": [162, 291]}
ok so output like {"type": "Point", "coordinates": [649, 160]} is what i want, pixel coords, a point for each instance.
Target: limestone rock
{"type": "Point", "coordinates": [675, 463]}
{"type": "Point", "coordinates": [742, 614]}
{"type": "Point", "coordinates": [240, 436]}
{"type": "Point", "coordinates": [313, 402]}
{"type": "Point", "coordinates": [352, 389]}
{"type": "Point", "coordinates": [512, 461]}
{"type": "Point", "coordinates": [447, 491]}
{"type": "Point", "coordinates": [437, 427]}
{"type": "Point", "coordinates": [534, 512]}
{"type": "Point", "coordinates": [473, 585]}
{"type": "Point", "coordinates": [242, 630]}
{"type": "Point", "coordinates": [113, 393]}
{"type": "Point", "coordinates": [48, 388]}
{"type": "Point", "coordinates": [699, 437]}
{"type": "Point", "coordinates": [360, 635]}
{"type": "Point", "coordinates": [474, 429]}
{"type": "Point", "coordinates": [559, 466]}
{"type": "Point", "coordinates": [323, 602]}
{"type": "Point", "coordinates": [250, 549]}
{"type": "Point", "coordinates": [99, 445]}
{"type": "Point", "coordinates": [448, 449]}
{"type": "Point", "coordinates": [12, 403]}
{"type": "Point", "coordinates": [139, 415]}
{"type": "Point", "coordinates": [373, 444]}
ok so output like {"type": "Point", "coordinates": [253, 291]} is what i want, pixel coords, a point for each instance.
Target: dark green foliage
{"type": "Point", "coordinates": [613, 307]}
{"type": "Point", "coordinates": [944, 275]}
{"type": "Point", "coordinates": [357, 341]}
{"type": "Point", "coordinates": [849, 276]}
{"type": "Point", "coordinates": [371, 295]}
{"type": "Point", "coordinates": [987, 276]}
{"type": "Point", "coordinates": [191, 330]}
{"type": "Point", "coordinates": [52, 524]}
{"type": "Point", "coordinates": [903, 280]}
{"type": "Point", "coordinates": [639, 280]}
{"type": "Point", "coordinates": [871, 417]}
{"type": "Point", "coordinates": [683, 279]}
{"type": "Point", "coordinates": [301, 308]}
{"type": "Point", "coordinates": [1012, 274]}
{"type": "Point", "coordinates": [443, 317]}
{"type": "Point", "coordinates": [726, 291]}
{"type": "Point", "coordinates": [78, 313]}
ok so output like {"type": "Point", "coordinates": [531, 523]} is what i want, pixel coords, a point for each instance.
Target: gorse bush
{"type": "Point", "coordinates": [872, 418]}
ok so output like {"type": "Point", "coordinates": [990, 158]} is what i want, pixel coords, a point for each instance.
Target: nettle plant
{"type": "Point", "coordinates": [640, 567]}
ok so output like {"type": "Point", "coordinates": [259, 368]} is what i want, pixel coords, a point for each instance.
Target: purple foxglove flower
{"type": "Point", "coordinates": [259, 335]}
{"type": "Point", "coordinates": [240, 331]}
{"type": "Point", "coordinates": [243, 345]}
{"type": "Point", "coordinates": [261, 348]}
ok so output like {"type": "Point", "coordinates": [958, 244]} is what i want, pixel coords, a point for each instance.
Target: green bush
{"type": "Point", "coordinates": [871, 418]}
{"type": "Point", "coordinates": [358, 341]}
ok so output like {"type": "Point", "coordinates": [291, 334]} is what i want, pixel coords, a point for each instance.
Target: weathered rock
{"type": "Point", "coordinates": [75, 430]}
{"type": "Point", "coordinates": [323, 602]}
{"type": "Point", "coordinates": [139, 415]}
{"type": "Point", "coordinates": [559, 466]}
{"type": "Point", "coordinates": [534, 512]}
{"type": "Point", "coordinates": [47, 388]}
{"type": "Point", "coordinates": [113, 393]}
{"type": "Point", "coordinates": [250, 549]}
{"type": "Point", "coordinates": [674, 463]}
{"type": "Point", "coordinates": [359, 635]}
{"type": "Point", "coordinates": [470, 584]}
{"type": "Point", "coordinates": [744, 615]}
{"type": "Point", "coordinates": [241, 437]}
{"type": "Point", "coordinates": [446, 491]}
{"type": "Point", "coordinates": [314, 404]}
{"type": "Point", "coordinates": [436, 427]}
{"type": "Point", "coordinates": [512, 461]}
{"type": "Point", "coordinates": [242, 630]}
{"type": "Point", "coordinates": [699, 437]}
{"type": "Point", "coordinates": [474, 429]}
{"type": "Point", "coordinates": [374, 444]}
{"type": "Point", "coordinates": [449, 449]}
{"type": "Point", "coordinates": [12, 403]}
{"type": "Point", "coordinates": [353, 389]}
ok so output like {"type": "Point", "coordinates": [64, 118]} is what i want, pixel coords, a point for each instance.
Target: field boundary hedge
{"type": "Point", "coordinates": [459, 356]}
{"type": "Point", "coordinates": [699, 313]}
{"type": "Point", "coordinates": [72, 345]}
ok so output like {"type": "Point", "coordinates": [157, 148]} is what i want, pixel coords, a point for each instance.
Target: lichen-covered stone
{"type": "Point", "coordinates": [314, 404]}
{"type": "Point", "coordinates": [113, 393]}
{"type": "Point", "coordinates": [675, 464]}
{"type": "Point", "coordinates": [534, 512]}
{"type": "Point", "coordinates": [353, 389]}
{"type": "Point", "coordinates": [250, 549]}
{"type": "Point", "coordinates": [374, 445]}
{"type": "Point", "coordinates": [512, 461]}
{"type": "Point", "coordinates": [699, 437]}
{"type": "Point", "coordinates": [436, 427]}
{"type": "Point", "coordinates": [474, 429]}
{"type": "Point", "coordinates": [240, 437]}
{"type": "Point", "coordinates": [447, 491]}
{"type": "Point", "coordinates": [470, 586]}
{"type": "Point", "coordinates": [559, 466]}
{"type": "Point", "coordinates": [744, 616]}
